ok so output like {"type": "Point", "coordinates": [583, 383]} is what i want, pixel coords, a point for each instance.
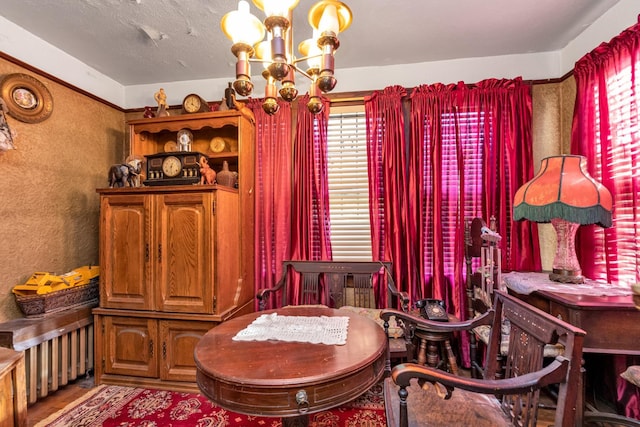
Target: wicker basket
{"type": "Point", "coordinates": [40, 305]}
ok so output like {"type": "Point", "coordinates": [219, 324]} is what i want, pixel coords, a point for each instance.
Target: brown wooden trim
{"type": "Point", "coordinates": [554, 80]}
{"type": "Point", "coordinates": [357, 97]}
{"type": "Point", "coordinates": [567, 75]}
{"type": "Point", "coordinates": [342, 98]}
{"type": "Point", "coordinates": [38, 71]}
{"type": "Point", "coordinates": [171, 107]}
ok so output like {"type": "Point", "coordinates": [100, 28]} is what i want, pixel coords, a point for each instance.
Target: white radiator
{"type": "Point", "coordinates": [58, 349]}
{"type": "Point", "coordinates": [54, 363]}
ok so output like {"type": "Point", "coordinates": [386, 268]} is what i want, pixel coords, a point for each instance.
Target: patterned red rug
{"type": "Point", "coordinates": [136, 407]}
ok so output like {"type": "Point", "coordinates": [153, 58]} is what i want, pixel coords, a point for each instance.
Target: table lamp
{"type": "Point", "coordinates": [564, 194]}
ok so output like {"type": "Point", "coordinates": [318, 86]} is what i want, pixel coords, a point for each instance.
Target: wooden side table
{"type": "Point", "coordinates": [607, 313]}
{"type": "Point", "coordinates": [13, 398]}
{"type": "Point", "coordinates": [604, 312]}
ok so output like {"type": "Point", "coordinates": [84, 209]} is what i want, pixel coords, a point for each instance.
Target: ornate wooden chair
{"type": "Point", "coordinates": [417, 395]}
{"type": "Point", "coordinates": [481, 283]}
{"type": "Point", "coordinates": [340, 284]}
{"type": "Point", "coordinates": [483, 242]}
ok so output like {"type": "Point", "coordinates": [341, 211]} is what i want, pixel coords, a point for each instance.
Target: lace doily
{"type": "Point", "coordinates": [310, 329]}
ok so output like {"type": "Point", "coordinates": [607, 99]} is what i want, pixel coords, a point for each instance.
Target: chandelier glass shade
{"type": "Point", "coordinates": [564, 194]}
{"type": "Point", "coordinates": [327, 18]}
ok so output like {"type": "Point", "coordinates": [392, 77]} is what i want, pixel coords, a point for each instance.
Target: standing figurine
{"type": "Point", "coordinates": [161, 99]}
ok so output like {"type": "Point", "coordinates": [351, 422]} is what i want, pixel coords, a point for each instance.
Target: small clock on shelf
{"type": "Point", "coordinates": [185, 140]}
{"type": "Point", "coordinates": [173, 168]}
{"type": "Point", "coordinates": [217, 144]}
{"type": "Point", "coordinates": [193, 103]}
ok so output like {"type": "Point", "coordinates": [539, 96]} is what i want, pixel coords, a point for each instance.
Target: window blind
{"type": "Point", "coordinates": [348, 185]}
{"type": "Point", "coordinates": [461, 135]}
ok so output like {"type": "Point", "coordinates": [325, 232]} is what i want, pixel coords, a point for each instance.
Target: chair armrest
{"type": "Point", "coordinates": [403, 297]}
{"type": "Point", "coordinates": [411, 321]}
{"type": "Point", "coordinates": [264, 295]}
{"type": "Point", "coordinates": [554, 373]}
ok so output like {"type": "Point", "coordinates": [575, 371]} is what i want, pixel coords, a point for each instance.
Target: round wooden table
{"type": "Point", "coordinates": [289, 379]}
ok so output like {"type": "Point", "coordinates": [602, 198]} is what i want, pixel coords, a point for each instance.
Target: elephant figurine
{"type": "Point", "coordinates": [125, 174]}
{"type": "Point", "coordinates": [207, 175]}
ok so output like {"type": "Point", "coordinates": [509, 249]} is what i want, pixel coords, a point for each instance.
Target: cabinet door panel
{"type": "Point", "coordinates": [179, 339]}
{"type": "Point", "coordinates": [131, 346]}
{"type": "Point", "coordinates": [184, 246]}
{"type": "Point", "coordinates": [124, 252]}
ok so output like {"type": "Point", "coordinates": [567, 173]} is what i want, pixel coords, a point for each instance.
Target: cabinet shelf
{"type": "Point", "coordinates": [198, 121]}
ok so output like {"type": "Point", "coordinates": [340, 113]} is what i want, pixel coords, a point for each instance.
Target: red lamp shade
{"type": "Point", "coordinates": [564, 194]}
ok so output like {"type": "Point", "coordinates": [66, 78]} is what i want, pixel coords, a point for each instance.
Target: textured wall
{"type": "Point", "coordinates": [48, 204]}
{"type": "Point", "coordinates": [552, 116]}
{"type": "Point", "coordinates": [567, 105]}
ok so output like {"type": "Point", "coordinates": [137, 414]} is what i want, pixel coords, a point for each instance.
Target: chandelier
{"type": "Point", "coordinates": [327, 18]}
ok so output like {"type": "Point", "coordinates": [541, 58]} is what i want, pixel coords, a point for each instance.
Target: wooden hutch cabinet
{"type": "Point", "coordinates": [176, 260]}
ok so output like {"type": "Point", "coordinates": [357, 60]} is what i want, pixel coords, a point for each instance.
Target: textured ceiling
{"type": "Point", "coordinates": [150, 41]}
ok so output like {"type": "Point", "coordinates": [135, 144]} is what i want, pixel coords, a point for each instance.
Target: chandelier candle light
{"type": "Point", "coordinates": [564, 194]}
{"type": "Point", "coordinates": [327, 18]}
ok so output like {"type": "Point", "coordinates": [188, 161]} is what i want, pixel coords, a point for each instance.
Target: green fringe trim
{"type": "Point", "coordinates": [583, 216]}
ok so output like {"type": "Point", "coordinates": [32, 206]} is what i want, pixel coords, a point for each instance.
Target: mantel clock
{"type": "Point", "coordinates": [173, 168]}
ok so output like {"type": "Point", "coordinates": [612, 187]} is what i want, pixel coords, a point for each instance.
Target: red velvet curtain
{"type": "Point", "coordinates": [469, 151]}
{"type": "Point", "coordinates": [272, 192]}
{"type": "Point", "coordinates": [386, 157]}
{"type": "Point", "coordinates": [291, 193]}
{"type": "Point", "coordinates": [310, 231]}
{"type": "Point", "coordinates": [605, 131]}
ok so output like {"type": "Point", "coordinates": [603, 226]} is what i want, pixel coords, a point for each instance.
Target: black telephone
{"type": "Point", "coordinates": [433, 309]}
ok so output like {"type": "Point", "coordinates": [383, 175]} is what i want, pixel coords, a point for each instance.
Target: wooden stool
{"type": "Point", "coordinates": [430, 343]}
{"type": "Point", "coordinates": [428, 351]}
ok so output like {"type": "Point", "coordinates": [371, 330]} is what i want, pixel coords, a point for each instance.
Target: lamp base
{"type": "Point", "coordinates": [566, 268]}
{"type": "Point", "coordinates": [566, 276]}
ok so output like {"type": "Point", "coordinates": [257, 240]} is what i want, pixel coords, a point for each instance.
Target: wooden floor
{"type": "Point", "coordinates": [73, 391]}
{"type": "Point", "coordinates": [58, 400]}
